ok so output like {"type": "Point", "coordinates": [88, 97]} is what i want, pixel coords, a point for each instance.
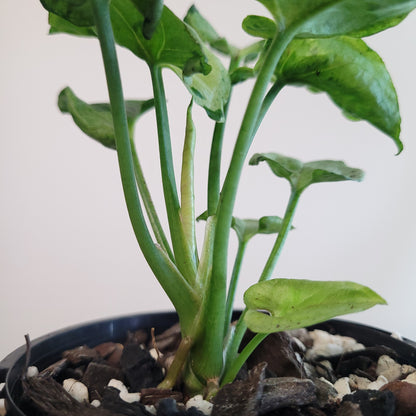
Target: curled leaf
{"type": "Point", "coordinates": [301, 175]}
{"type": "Point", "coordinates": [259, 26]}
{"type": "Point", "coordinates": [285, 304]}
{"type": "Point", "coordinates": [207, 33]}
{"type": "Point", "coordinates": [96, 120]}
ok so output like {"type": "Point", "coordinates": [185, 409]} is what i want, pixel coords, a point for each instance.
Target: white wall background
{"type": "Point", "coordinates": [67, 253]}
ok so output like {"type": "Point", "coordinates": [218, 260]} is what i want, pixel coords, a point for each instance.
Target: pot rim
{"type": "Point", "coordinates": [48, 348]}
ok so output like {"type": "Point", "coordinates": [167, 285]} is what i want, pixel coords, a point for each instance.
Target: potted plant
{"type": "Point", "coordinates": [316, 45]}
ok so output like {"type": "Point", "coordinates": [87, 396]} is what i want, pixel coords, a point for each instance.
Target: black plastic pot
{"type": "Point", "coordinates": [47, 349]}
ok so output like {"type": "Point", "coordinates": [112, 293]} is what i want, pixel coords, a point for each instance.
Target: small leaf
{"type": "Point", "coordinates": [248, 228]}
{"type": "Point", "coordinates": [301, 175]}
{"type": "Point", "coordinates": [174, 45]}
{"type": "Point", "coordinates": [323, 18]}
{"type": "Point", "coordinates": [352, 74]}
{"type": "Point", "coordinates": [211, 91]}
{"type": "Point", "coordinates": [207, 33]}
{"type": "Point", "coordinates": [259, 26]}
{"type": "Point", "coordinates": [295, 303]}
{"type": "Point", "coordinates": [96, 120]}
{"type": "Point", "coordinates": [78, 12]}
{"type": "Point", "coordinates": [242, 74]}
{"type": "Point", "coordinates": [60, 25]}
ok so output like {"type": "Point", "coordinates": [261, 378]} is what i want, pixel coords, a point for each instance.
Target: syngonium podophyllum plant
{"type": "Point", "coordinates": [312, 43]}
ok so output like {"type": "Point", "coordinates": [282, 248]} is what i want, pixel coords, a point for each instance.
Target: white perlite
{"type": "Point", "coordinates": [124, 393]}
{"type": "Point", "coordinates": [388, 368]}
{"type": "Point", "coordinates": [95, 403]}
{"type": "Point", "coordinates": [130, 397]}
{"type": "Point", "coordinates": [411, 378]}
{"type": "Point", "coordinates": [377, 384]}
{"type": "Point", "coordinates": [117, 384]}
{"type": "Point", "coordinates": [151, 409]}
{"type": "Point", "coordinates": [358, 383]}
{"type": "Point", "coordinates": [32, 371]}
{"type": "Point", "coordinates": [200, 404]}
{"type": "Point", "coordinates": [342, 386]}
{"type": "Point", "coordinates": [325, 344]}
{"type": "Point", "coordinates": [76, 389]}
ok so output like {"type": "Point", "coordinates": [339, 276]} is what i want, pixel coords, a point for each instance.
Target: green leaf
{"type": "Point", "coordinates": [211, 91]}
{"type": "Point", "coordinates": [259, 26]}
{"type": "Point", "coordinates": [152, 12]}
{"type": "Point", "coordinates": [301, 175]}
{"type": "Point", "coordinates": [248, 228]}
{"type": "Point", "coordinates": [96, 120]}
{"type": "Point", "coordinates": [174, 45]}
{"type": "Point", "coordinates": [352, 74]}
{"type": "Point", "coordinates": [242, 74]}
{"type": "Point", "coordinates": [207, 33]}
{"type": "Point", "coordinates": [60, 25]}
{"type": "Point", "coordinates": [322, 18]}
{"type": "Point", "coordinates": [173, 42]}
{"type": "Point", "coordinates": [293, 303]}
{"type": "Point", "coordinates": [77, 12]}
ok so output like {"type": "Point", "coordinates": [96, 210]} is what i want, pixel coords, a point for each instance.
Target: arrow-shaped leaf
{"type": "Point", "coordinates": [173, 44]}
{"type": "Point", "coordinates": [96, 120]}
{"type": "Point", "coordinates": [301, 175]}
{"type": "Point", "coordinates": [323, 18]}
{"type": "Point", "coordinates": [207, 33]}
{"type": "Point", "coordinates": [352, 74]}
{"type": "Point", "coordinates": [294, 303]}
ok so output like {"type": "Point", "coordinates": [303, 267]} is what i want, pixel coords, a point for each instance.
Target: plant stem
{"type": "Point", "coordinates": [171, 280]}
{"type": "Point", "coordinates": [177, 365]}
{"type": "Point", "coordinates": [281, 237]}
{"type": "Point", "coordinates": [148, 204]}
{"type": "Point", "coordinates": [233, 283]}
{"type": "Point", "coordinates": [214, 169]}
{"type": "Point", "coordinates": [214, 318]}
{"type": "Point", "coordinates": [232, 372]}
{"type": "Point", "coordinates": [183, 256]}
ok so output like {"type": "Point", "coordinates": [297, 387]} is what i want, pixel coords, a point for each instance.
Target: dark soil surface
{"type": "Point", "coordinates": [287, 375]}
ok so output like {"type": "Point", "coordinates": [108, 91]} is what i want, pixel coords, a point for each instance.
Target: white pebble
{"type": "Point", "coordinates": [396, 335]}
{"type": "Point", "coordinates": [378, 384]}
{"type": "Point", "coordinates": [342, 386]}
{"type": "Point", "coordinates": [95, 403]}
{"type": "Point", "coordinates": [325, 344]}
{"type": "Point", "coordinates": [151, 409]}
{"type": "Point", "coordinates": [2, 408]}
{"type": "Point", "coordinates": [388, 368]}
{"type": "Point", "coordinates": [117, 384]}
{"type": "Point", "coordinates": [407, 369]}
{"type": "Point", "coordinates": [358, 383]}
{"type": "Point", "coordinates": [130, 397]}
{"type": "Point", "coordinates": [155, 355]}
{"type": "Point", "coordinates": [76, 389]}
{"type": "Point", "coordinates": [411, 378]}
{"type": "Point", "coordinates": [200, 404]}
{"type": "Point", "coordinates": [32, 371]}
